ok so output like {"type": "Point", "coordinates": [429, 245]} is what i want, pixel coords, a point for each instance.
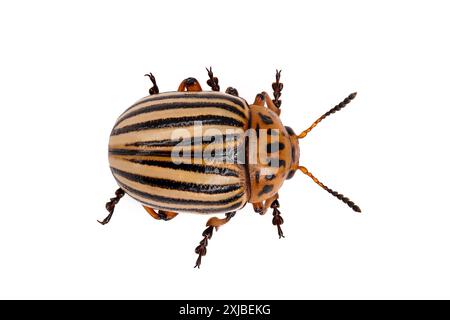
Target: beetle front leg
{"type": "Point", "coordinates": [271, 203]}
{"type": "Point", "coordinates": [277, 219]}
{"type": "Point", "coordinates": [277, 86]}
{"type": "Point", "coordinates": [213, 223]}
{"type": "Point", "coordinates": [261, 207]}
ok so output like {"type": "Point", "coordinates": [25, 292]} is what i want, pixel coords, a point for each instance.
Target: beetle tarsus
{"type": "Point", "coordinates": [153, 90]}
{"type": "Point", "coordinates": [277, 86]}
{"type": "Point", "coordinates": [207, 234]}
{"type": "Point", "coordinates": [201, 248]}
{"type": "Point", "coordinates": [277, 219]}
{"type": "Point", "coordinates": [111, 204]}
{"type": "Point", "coordinates": [213, 82]}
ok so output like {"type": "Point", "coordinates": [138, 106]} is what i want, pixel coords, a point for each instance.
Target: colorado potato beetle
{"type": "Point", "coordinates": [207, 152]}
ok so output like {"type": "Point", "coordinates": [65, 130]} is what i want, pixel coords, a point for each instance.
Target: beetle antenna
{"type": "Point", "coordinates": [336, 108]}
{"type": "Point", "coordinates": [338, 195]}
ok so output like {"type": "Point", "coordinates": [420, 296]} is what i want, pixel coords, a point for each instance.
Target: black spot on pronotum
{"type": "Point", "coordinates": [267, 188]}
{"type": "Point", "coordinates": [270, 177]}
{"type": "Point", "coordinates": [265, 119]}
{"type": "Point", "coordinates": [257, 176]}
{"type": "Point", "coordinates": [290, 174]}
{"type": "Point", "coordinates": [274, 147]}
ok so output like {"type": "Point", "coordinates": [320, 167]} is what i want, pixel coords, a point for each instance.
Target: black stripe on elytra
{"type": "Point", "coordinates": [274, 147]}
{"type": "Point", "coordinates": [157, 206]}
{"type": "Point", "coordinates": [177, 185]}
{"type": "Point", "coordinates": [182, 105]}
{"type": "Point", "coordinates": [179, 95]}
{"type": "Point", "coordinates": [265, 119]}
{"type": "Point", "coordinates": [267, 188]}
{"type": "Point", "coordinates": [170, 200]}
{"type": "Point", "coordinates": [193, 141]}
{"type": "Point", "coordinates": [226, 154]}
{"type": "Point", "coordinates": [179, 123]}
{"type": "Point", "coordinates": [188, 167]}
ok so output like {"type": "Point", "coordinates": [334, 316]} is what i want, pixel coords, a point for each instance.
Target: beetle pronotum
{"type": "Point", "coordinates": [217, 171]}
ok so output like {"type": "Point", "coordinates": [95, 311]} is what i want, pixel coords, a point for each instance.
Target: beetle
{"type": "Point", "coordinates": [157, 154]}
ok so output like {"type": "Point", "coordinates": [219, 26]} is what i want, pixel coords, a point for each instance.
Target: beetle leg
{"type": "Point", "coordinates": [213, 82]}
{"type": "Point", "coordinates": [111, 204]}
{"type": "Point", "coordinates": [153, 90]}
{"type": "Point", "coordinates": [207, 234]}
{"type": "Point", "coordinates": [277, 219]}
{"type": "Point", "coordinates": [262, 207]}
{"type": "Point", "coordinates": [161, 214]}
{"type": "Point", "coordinates": [272, 203]}
{"type": "Point", "coordinates": [264, 96]}
{"type": "Point", "coordinates": [277, 86]}
{"type": "Point", "coordinates": [259, 208]}
{"type": "Point", "coordinates": [232, 91]}
{"type": "Point", "coordinates": [259, 99]}
{"type": "Point", "coordinates": [189, 84]}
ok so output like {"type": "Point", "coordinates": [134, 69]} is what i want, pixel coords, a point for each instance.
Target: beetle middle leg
{"type": "Point", "coordinates": [189, 84]}
{"type": "Point", "coordinates": [161, 214]}
{"type": "Point", "coordinates": [213, 223]}
{"type": "Point", "coordinates": [111, 204]}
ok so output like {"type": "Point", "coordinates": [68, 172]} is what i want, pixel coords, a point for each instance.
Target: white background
{"type": "Point", "coordinates": [67, 70]}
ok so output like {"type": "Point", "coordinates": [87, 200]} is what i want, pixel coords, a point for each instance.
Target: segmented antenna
{"type": "Point", "coordinates": [336, 108]}
{"type": "Point", "coordinates": [338, 195]}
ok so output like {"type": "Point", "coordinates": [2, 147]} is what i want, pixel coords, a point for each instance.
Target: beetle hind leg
{"type": "Point", "coordinates": [111, 204]}
{"type": "Point", "coordinates": [213, 223]}
{"type": "Point", "coordinates": [154, 89]}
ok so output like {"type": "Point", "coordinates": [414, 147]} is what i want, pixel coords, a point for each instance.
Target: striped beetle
{"type": "Point", "coordinates": [148, 138]}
